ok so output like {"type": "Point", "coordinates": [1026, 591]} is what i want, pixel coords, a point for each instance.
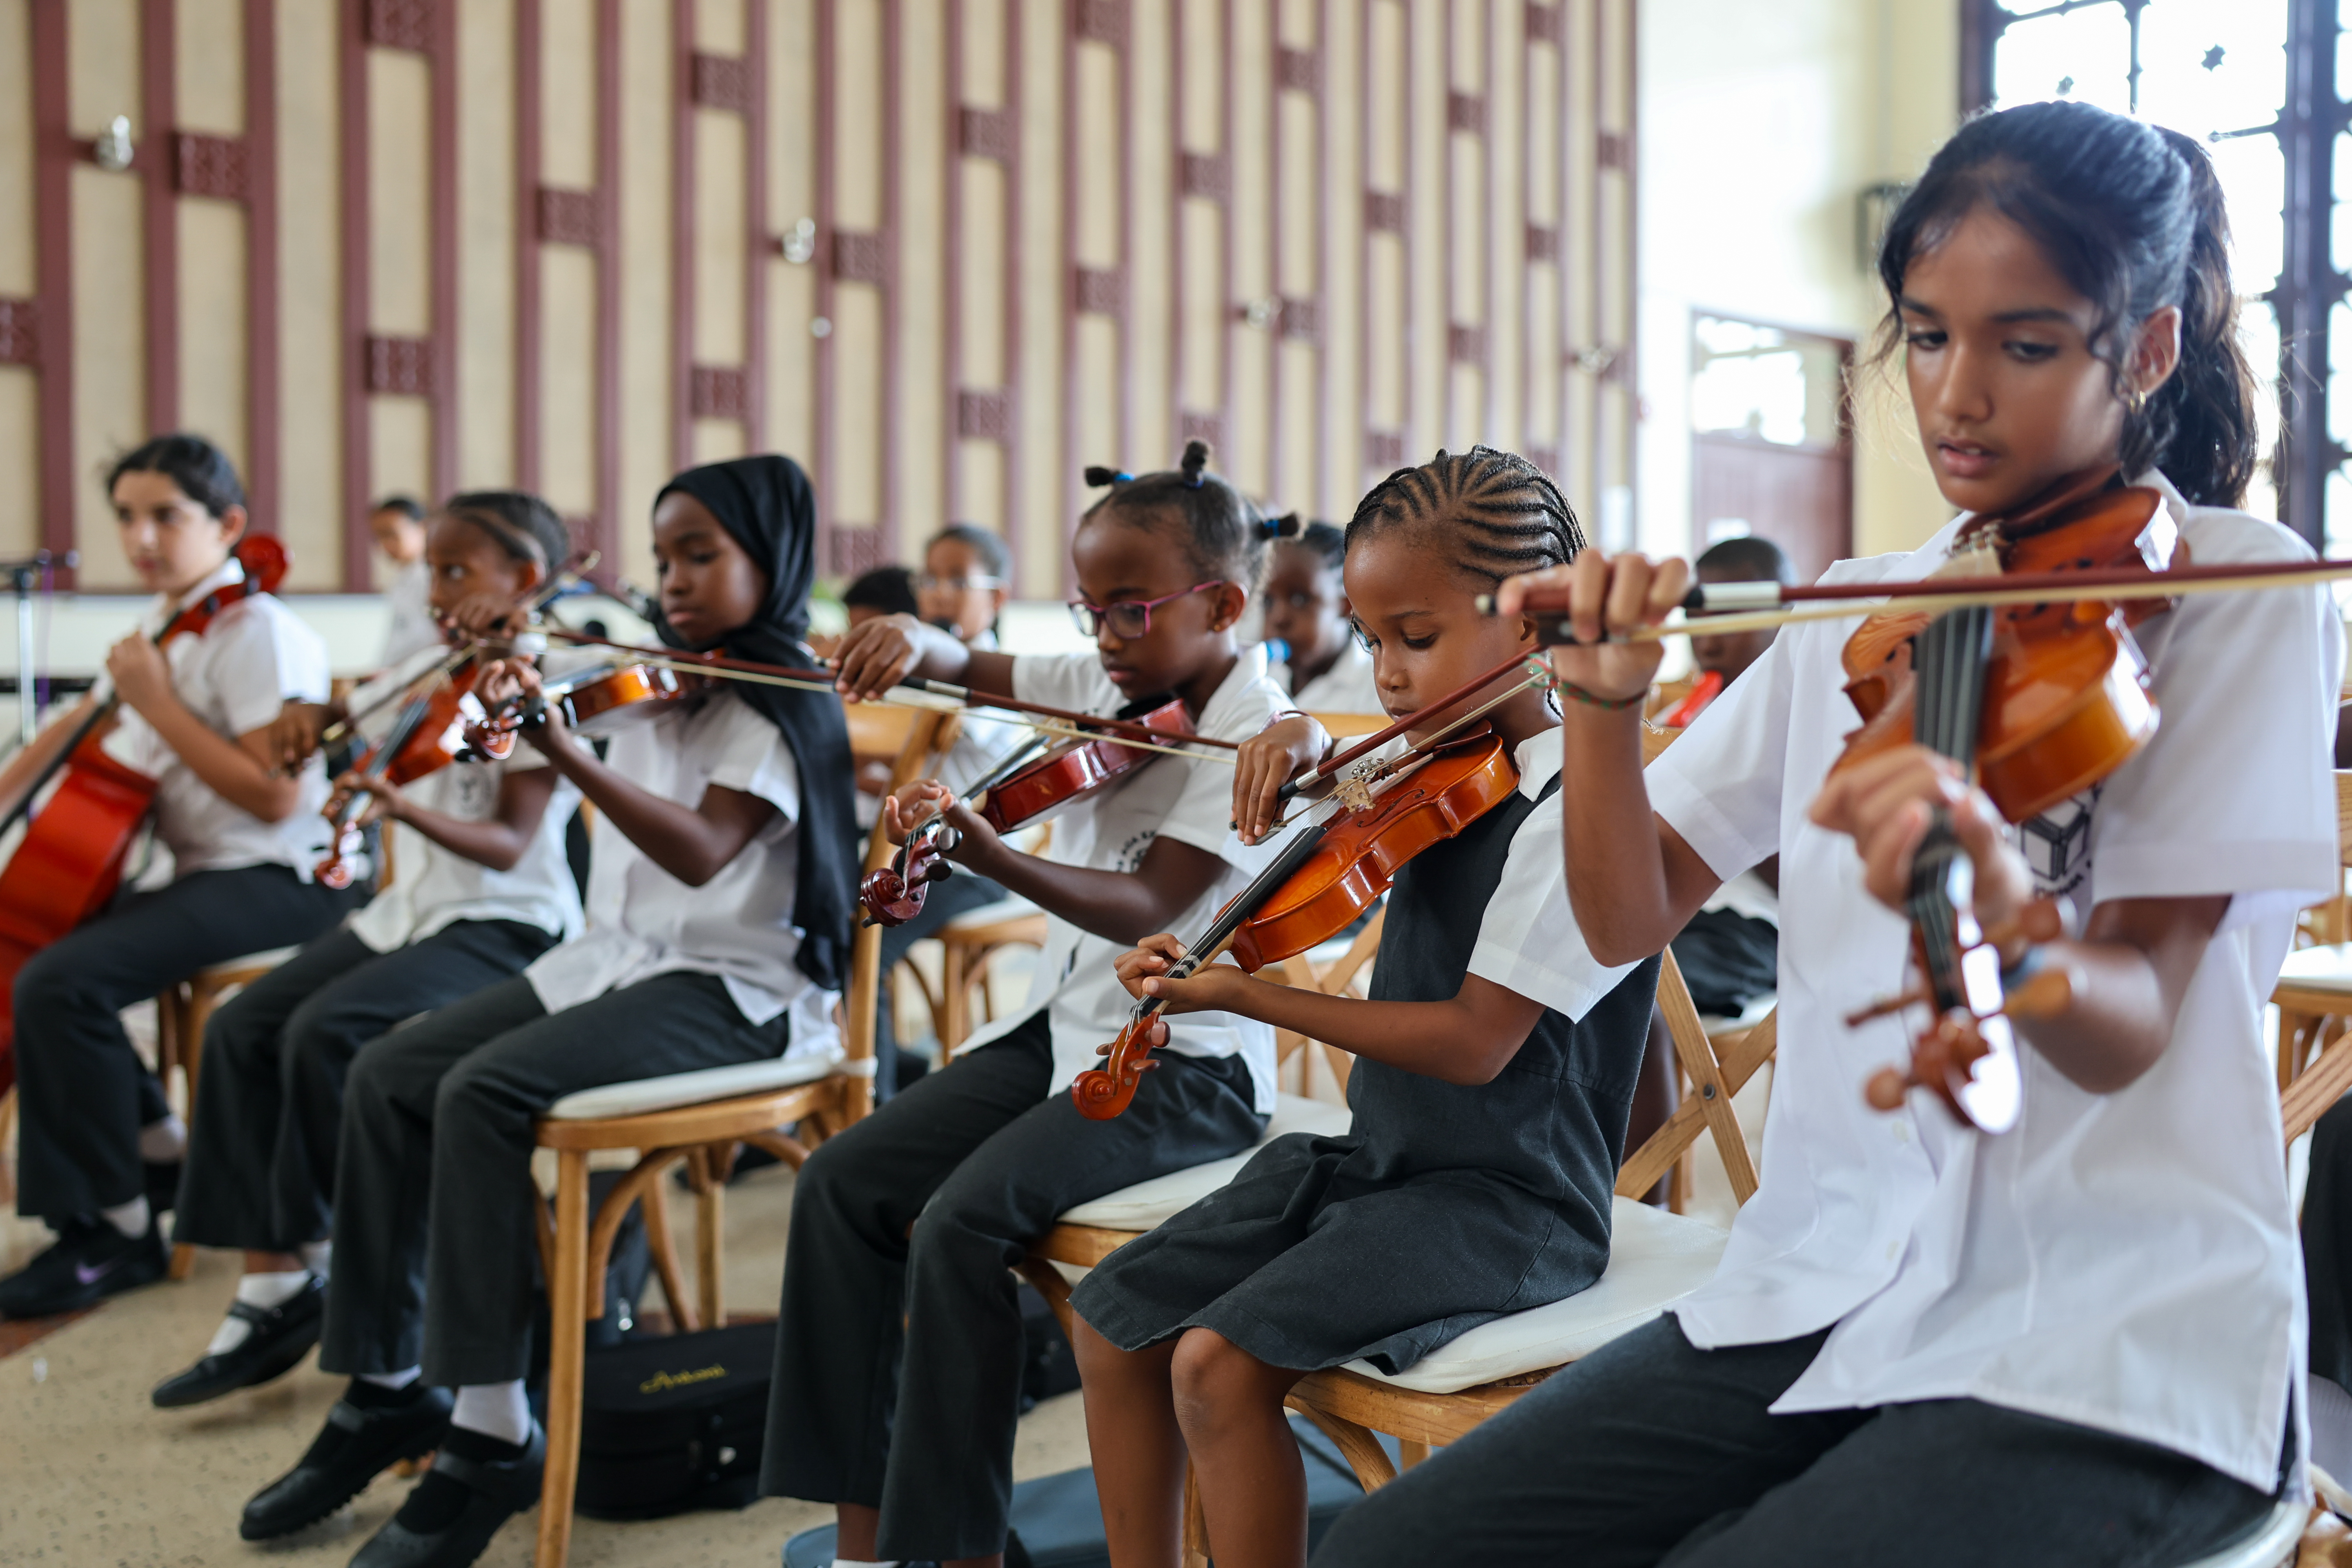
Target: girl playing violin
{"type": "Point", "coordinates": [1321, 664]}
{"type": "Point", "coordinates": [100, 1148]}
{"type": "Point", "coordinates": [718, 934]}
{"type": "Point", "coordinates": [2076, 1342]}
{"type": "Point", "coordinates": [1498, 1061]}
{"type": "Point", "coordinates": [481, 890]}
{"type": "Point", "coordinates": [981, 1158]}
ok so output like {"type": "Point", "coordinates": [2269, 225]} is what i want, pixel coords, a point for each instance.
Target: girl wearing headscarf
{"type": "Point", "coordinates": [718, 907]}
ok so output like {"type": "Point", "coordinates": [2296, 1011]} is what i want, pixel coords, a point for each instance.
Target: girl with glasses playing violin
{"type": "Point", "coordinates": [480, 890]}
{"type": "Point", "coordinates": [1495, 1066]}
{"type": "Point", "coordinates": [1930, 1341]}
{"type": "Point", "coordinates": [898, 1355]}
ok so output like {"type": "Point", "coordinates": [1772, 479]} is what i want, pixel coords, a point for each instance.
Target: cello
{"type": "Point", "coordinates": [69, 861]}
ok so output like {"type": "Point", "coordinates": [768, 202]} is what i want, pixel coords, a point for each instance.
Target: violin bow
{"type": "Point", "coordinates": [1125, 731]}
{"type": "Point", "coordinates": [1330, 766]}
{"type": "Point", "coordinates": [1730, 608]}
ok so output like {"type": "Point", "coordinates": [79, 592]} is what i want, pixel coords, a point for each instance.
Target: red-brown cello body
{"type": "Point", "coordinates": [69, 862]}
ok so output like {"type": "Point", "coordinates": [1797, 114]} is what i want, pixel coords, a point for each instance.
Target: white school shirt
{"type": "Point", "coordinates": [256, 657]}
{"type": "Point", "coordinates": [643, 921]}
{"type": "Point", "coordinates": [2126, 1261]}
{"type": "Point", "coordinates": [434, 887]}
{"type": "Point", "coordinates": [1346, 687]}
{"type": "Point", "coordinates": [1528, 941]}
{"type": "Point", "coordinates": [410, 599]}
{"type": "Point", "coordinates": [1111, 830]}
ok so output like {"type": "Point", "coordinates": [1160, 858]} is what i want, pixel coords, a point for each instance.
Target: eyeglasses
{"type": "Point", "coordinates": [927, 583]}
{"type": "Point", "coordinates": [1128, 618]}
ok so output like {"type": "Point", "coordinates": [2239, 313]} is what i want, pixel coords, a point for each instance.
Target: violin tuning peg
{"type": "Point", "coordinates": [1887, 1089]}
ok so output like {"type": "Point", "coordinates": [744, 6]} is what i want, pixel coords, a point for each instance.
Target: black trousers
{"type": "Point", "coordinates": [270, 1103]}
{"type": "Point", "coordinates": [1649, 1451]}
{"type": "Point", "coordinates": [960, 894]}
{"type": "Point", "coordinates": [83, 1092]}
{"type": "Point", "coordinates": [2327, 1245]}
{"type": "Point", "coordinates": [904, 1230]}
{"type": "Point", "coordinates": [435, 1246]}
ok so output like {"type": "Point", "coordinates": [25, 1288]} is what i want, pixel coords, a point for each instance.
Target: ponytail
{"type": "Point", "coordinates": [2199, 427]}
{"type": "Point", "coordinates": [1224, 535]}
{"type": "Point", "coordinates": [2133, 218]}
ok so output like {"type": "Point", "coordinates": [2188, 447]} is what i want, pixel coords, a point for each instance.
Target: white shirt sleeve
{"type": "Point", "coordinates": [259, 661]}
{"type": "Point", "coordinates": [1528, 941]}
{"type": "Point", "coordinates": [2246, 688]}
{"type": "Point", "coordinates": [1071, 680]}
{"type": "Point", "coordinates": [1719, 783]}
{"type": "Point", "coordinates": [750, 755]}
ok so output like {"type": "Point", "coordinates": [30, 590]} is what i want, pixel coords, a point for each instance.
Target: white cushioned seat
{"type": "Point", "coordinates": [1656, 1258]}
{"type": "Point", "coordinates": [2319, 968]}
{"type": "Point", "coordinates": [993, 914]}
{"type": "Point", "coordinates": [1147, 1203]}
{"type": "Point", "coordinates": [270, 959]}
{"type": "Point", "coordinates": [645, 1094]}
{"type": "Point", "coordinates": [2271, 1544]}
{"type": "Point", "coordinates": [1747, 1018]}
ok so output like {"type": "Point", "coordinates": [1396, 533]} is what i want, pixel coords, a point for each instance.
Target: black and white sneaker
{"type": "Point", "coordinates": [90, 1261]}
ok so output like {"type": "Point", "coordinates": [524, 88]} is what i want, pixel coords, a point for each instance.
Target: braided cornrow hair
{"type": "Point", "coordinates": [1224, 536]}
{"type": "Point", "coordinates": [1500, 513]}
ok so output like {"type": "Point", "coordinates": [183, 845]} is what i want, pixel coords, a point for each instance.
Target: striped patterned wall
{"type": "Point", "coordinates": [945, 251]}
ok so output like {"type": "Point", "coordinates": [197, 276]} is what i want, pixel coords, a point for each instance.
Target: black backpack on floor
{"type": "Point", "coordinates": [672, 1422]}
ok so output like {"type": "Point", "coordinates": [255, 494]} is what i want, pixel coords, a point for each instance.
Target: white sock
{"type": "Point", "coordinates": [315, 1255]}
{"type": "Point", "coordinates": [131, 1218]}
{"type": "Point", "coordinates": [2331, 1425]}
{"type": "Point", "coordinates": [160, 1143]}
{"type": "Point", "coordinates": [256, 1291]}
{"type": "Point", "coordinates": [395, 1381]}
{"type": "Point", "coordinates": [494, 1410]}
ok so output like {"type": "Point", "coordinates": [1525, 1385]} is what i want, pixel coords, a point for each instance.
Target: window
{"type": "Point", "coordinates": [2255, 80]}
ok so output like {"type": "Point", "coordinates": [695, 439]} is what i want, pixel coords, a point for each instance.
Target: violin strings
{"type": "Point", "coordinates": [1537, 676]}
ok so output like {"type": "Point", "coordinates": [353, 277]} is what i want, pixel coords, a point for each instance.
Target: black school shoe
{"type": "Point", "coordinates": [368, 1429]}
{"type": "Point", "coordinates": [90, 1261]}
{"type": "Point", "coordinates": [280, 1337]}
{"type": "Point", "coordinates": [476, 1483]}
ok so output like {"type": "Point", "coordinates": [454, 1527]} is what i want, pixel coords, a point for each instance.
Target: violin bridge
{"type": "Point", "coordinates": [1353, 790]}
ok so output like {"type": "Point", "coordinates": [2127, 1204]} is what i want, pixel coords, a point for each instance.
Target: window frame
{"type": "Point", "coordinates": [2309, 286]}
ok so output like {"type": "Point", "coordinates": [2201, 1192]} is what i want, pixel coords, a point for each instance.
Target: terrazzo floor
{"type": "Point", "coordinates": [91, 1474]}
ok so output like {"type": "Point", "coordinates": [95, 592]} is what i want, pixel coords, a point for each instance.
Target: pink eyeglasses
{"type": "Point", "coordinates": [1128, 618]}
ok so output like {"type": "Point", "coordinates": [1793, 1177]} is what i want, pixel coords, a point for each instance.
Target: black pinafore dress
{"type": "Point", "coordinates": [1444, 1206]}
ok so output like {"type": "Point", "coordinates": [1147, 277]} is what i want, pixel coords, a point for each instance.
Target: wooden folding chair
{"type": "Point", "coordinates": [1334, 974]}
{"type": "Point", "coordinates": [2314, 995]}
{"type": "Point", "coordinates": [698, 1117]}
{"type": "Point", "coordinates": [1656, 1258]}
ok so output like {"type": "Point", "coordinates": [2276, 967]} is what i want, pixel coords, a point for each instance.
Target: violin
{"type": "Point", "coordinates": [592, 702]}
{"type": "Point", "coordinates": [1082, 765]}
{"type": "Point", "coordinates": [1327, 875]}
{"type": "Point", "coordinates": [69, 862]}
{"type": "Point", "coordinates": [444, 724]}
{"type": "Point", "coordinates": [894, 894]}
{"type": "Point", "coordinates": [2038, 702]}
{"type": "Point", "coordinates": [1019, 791]}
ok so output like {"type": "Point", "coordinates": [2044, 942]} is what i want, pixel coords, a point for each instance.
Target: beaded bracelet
{"type": "Point", "coordinates": [1612, 704]}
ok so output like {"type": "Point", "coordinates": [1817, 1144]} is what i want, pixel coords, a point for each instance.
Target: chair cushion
{"type": "Point", "coordinates": [1147, 1203]}
{"type": "Point", "coordinates": [1746, 1019]}
{"type": "Point", "coordinates": [997, 913]}
{"type": "Point", "coordinates": [1656, 1258]}
{"type": "Point", "coordinates": [2271, 1544]}
{"type": "Point", "coordinates": [641, 1095]}
{"type": "Point", "coordinates": [252, 961]}
{"type": "Point", "coordinates": [2319, 968]}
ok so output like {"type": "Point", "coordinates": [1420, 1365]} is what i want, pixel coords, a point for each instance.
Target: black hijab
{"type": "Point", "coordinates": [767, 506]}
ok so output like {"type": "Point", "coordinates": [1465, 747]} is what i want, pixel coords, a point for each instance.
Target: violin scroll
{"type": "Point", "coordinates": [894, 894]}
{"type": "Point", "coordinates": [1103, 1092]}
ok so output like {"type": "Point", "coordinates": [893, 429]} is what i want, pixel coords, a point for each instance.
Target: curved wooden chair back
{"type": "Point", "coordinates": [1338, 977]}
